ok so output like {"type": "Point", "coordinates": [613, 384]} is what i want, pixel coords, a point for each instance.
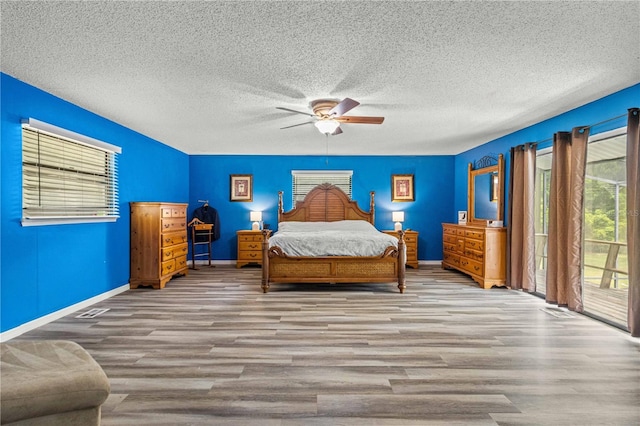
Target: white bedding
{"type": "Point", "coordinates": [341, 238]}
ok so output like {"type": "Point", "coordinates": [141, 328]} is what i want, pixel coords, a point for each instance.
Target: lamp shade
{"type": "Point", "coordinates": [327, 126]}
{"type": "Point", "coordinates": [397, 216]}
{"type": "Point", "coordinates": [255, 216]}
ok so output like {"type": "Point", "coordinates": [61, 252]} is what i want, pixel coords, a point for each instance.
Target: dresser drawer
{"type": "Point", "coordinates": [172, 252]}
{"type": "Point", "coordinates": [168, 267]}
{"type": "Point", "coordinates": [478, 235]}
{"type": "Point", "coordinates": [474, 255]}
{"type": "Point", "coordinates": [448, 230]}
{"type": "Point", "coordinates": [448, 238]}
{"type": "Point", "coordinates": [451, 247]}
{"type": "Point", "coordinates": [471, 266]}
{"type": "Point", "coordinates": [173, 239]}
{"type": "Point", "coordinates": [178, 212]}
{"type": "Point", "coordinates": [452, 259]}
{"type": "Point", "coordinates": [181, 263]}
{"type": "Point", "coordinates": [250, 256]}
{"type": "Point", "coordinates": [175, 212]}
{"type": "Point", "coordinates": [249, 237]}
{"type": "Point", "coordinates": [170, 225]}
{"type": "Point", "coordinates": [410, 238]}
{"type": "Point", "coordinates": [250, 245]}
{"type": "Point", "coordinates": [474, 244]}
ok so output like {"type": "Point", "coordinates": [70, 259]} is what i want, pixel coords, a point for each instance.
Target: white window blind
{"type": "Point", "coordinates": [67, 180]}
{"type": "Point", "coordinates": [305, 180]}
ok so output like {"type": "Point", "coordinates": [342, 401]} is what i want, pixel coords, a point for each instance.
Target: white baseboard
{"type": "Point", "coordinates": [39, 322]}
{"type": "Point", "coordinates": [213, 262]}
{"type": "Point", "coordinates": [430, 262]}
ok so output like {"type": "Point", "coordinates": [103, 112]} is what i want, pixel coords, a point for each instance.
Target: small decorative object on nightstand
{"type": "Point", "coordinates": [411, 246]}
{"type": "Point", "coordinates": [249, 248]}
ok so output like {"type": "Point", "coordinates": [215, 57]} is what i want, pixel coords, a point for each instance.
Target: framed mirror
{"type": "Point", "coordinates": [486, 190]}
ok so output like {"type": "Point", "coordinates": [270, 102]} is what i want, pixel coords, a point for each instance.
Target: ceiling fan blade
{"type": "Point", "coordinates": [296, 125]}
{"type": "Point", "coordinates": [359, 120]}
{"type": "Point", "coordinates": [346, 105]}
{"type": "Point", "coordinates": [297, 112]}
{"type": "Point", "coordinates": [337, 131]}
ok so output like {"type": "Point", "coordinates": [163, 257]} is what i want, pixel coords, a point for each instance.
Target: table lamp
{"type": "Point", "coordinates": [256, 218]}
{"type": "Point", "coordinates": [398, 218]}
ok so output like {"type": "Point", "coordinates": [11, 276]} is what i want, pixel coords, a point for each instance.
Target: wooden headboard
{"type": "Point", "coordinates": [326, 203]}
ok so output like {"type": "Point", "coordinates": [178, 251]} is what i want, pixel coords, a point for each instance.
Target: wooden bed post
{"type": "Point", "coordinates": [372, 207]}
{"type": "Point", "coordinates": [401, 261]}
{"type": "Point", "coordinates": [280, 206]}
{"type": "Point", "coordinates": [265, 260]}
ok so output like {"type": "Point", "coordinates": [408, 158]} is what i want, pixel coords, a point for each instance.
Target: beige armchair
{"type": "Point", "coordinates": [52, 382]}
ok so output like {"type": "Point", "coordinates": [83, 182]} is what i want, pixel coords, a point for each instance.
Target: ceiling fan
{"type": "Point", "coordinates": [328, 114]}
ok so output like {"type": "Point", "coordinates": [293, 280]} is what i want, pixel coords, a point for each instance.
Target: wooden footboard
{"type": "Point", "coordinates": [277, 267]}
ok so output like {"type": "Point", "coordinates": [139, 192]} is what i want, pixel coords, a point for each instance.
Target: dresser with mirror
{"type": "Point", "coordinates": [478, 247]}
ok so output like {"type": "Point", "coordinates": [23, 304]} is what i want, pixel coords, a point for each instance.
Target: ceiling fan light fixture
{"type": "Point", "coordinates": [327, 126]}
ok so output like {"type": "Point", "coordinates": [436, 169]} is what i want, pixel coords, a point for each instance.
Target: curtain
{"type": "Point", "coordinates": [564, 249]}
{"type": "Point", "coordinates": [521, 262]}
{"type": "Point", "coordinates": [633, 220]}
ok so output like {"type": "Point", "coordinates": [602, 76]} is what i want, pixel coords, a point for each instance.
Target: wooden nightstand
{"type": "Point", "coordinates": [411, 246]}
{"type": "Point", "coordinates": [249, 248]}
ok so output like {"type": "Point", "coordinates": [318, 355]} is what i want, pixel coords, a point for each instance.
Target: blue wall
{"type": "Point", "coordinates": [433, 177]}
{"type": "Point", "coordinates": [48, 268]}
{"type": "Point", "coordinates": [590, 114]}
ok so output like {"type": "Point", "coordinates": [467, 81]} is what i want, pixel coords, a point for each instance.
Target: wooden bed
{"type": "Point", "coordinates": [328, 203]}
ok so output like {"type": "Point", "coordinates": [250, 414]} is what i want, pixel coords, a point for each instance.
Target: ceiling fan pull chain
{"type": "Point", "coordinates": [326, 158]}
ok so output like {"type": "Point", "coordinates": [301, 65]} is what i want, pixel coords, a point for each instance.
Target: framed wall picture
{"type": "Point", "coordinates": [241, 188]}
{"type": "Point", "coordinates": [402, 188]}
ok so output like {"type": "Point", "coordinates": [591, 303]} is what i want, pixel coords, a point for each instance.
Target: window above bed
{"type": "Point", "coordinates": [304, 181]}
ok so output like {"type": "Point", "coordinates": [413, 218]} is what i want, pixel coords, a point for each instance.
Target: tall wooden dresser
{"type": "Point", "coordinates": [158, 243]}
{"type": "Point", "coordinates": [477, 251]}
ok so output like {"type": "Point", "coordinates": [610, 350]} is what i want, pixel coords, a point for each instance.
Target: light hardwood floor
{"type": "Point", "coordinates": [211, 349]}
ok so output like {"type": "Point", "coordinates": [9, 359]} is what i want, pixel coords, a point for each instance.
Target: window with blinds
{"type": "Point", "coordinates": [65, 180]}
{"type": "Point", "coordinates": [305, 180]}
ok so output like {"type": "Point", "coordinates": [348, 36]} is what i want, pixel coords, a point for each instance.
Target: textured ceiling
{"type": "Point", "coordinates": [206, 77]}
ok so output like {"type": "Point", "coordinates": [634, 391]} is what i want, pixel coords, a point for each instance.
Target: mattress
{"type": "Point", "coordinates": [340, 238]}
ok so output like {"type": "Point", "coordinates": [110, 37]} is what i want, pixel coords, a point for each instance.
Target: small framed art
{"type": "Point", "coordinates": [241, 188]}
{"type": "Point", "coordinates": [462, 217]}
{"type": "Point", "coordinates": [402, 188]}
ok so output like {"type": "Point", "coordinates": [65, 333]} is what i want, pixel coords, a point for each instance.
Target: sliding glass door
{"type": "Point", "coordinates": [543, 180]}
{"type": "Point", "coordinates": [604, 263]}
{"type": "Point", "coordinates": [605, 279]}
